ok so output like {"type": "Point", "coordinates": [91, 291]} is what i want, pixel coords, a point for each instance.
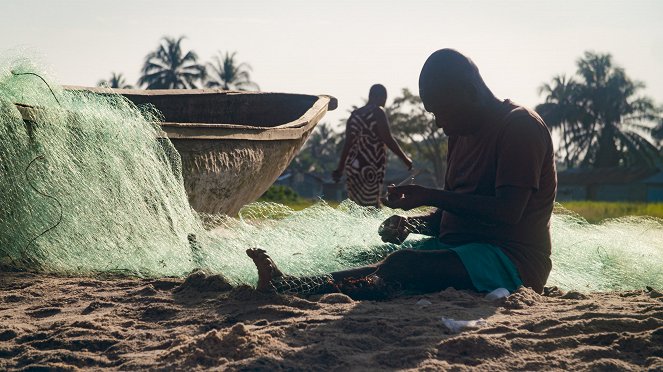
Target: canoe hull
{"type": "Point", "coordinates": [221, 176]}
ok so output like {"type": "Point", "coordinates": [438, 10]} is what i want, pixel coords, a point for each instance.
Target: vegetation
{"type": "Point", "coordinates": [116, 81]}
{"type": "Point", "coordinates": [595, 212]}
{"type": "Point", "coordinates": [226, 73]}
{"type": "Point", "coordinates": [592, 211]}
{"type": "Point", "coordinates": [280, 194]}
{"type": "Point", "coordinates": [320, 153]}
{"type": "Point", "coordinates": [602, 120]}
{"type": "Point", "coordinates": [168, 67]}
{"type": "Point", "coordinates": [415, 129]}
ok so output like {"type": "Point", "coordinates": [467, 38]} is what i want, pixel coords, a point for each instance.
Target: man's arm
{"type": "Point", "coordinates": [522, 149]}
{"type": "Point", "coordinates": [506, 207]}
{"type": "Point", "coordinates": [384, 133]}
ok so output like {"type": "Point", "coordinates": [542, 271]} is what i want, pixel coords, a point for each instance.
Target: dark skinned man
{"type": "Point", "coordinates": [491, 225]}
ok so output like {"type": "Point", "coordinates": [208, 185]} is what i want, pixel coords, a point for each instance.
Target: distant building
{"type": "Point", "coordinates": [610, 184]}
{"type": "Point", "coordinates": [654, 187]}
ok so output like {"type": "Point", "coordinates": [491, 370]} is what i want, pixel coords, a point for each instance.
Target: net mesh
{"type": "Point", "coordinates": [88, 186]}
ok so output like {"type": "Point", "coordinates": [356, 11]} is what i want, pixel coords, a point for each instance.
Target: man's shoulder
{"type": "Point", "coordinates": [522, 116]}
{"type": "Point", "coordinates": [523, 122]}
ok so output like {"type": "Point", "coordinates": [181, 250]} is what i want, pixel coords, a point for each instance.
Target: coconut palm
{"type": "Point", "coordinates": [116, 81]}
{"type": "Point", "coordinates": [226, 73]}
{"type": "Point", "coordinates": [168, 67]}
{"type": "Point", "coordinates": [657, 133]}
{"type": "Point", "coordinates": [601, 120]}
{"type": "Point", "coordinates": [320, 152]}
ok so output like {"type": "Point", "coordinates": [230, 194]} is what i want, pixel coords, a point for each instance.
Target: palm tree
{"type": "Point", "coordinates": [116, 81]}
{"type": "Point", "coordinates": [168, 67]}
{"type": "Point", "coordinates": [320, 152]}
{"type": "Point", "coordinates": [601, 121]}
{"type": "Point", "coordinates": [226, 73]}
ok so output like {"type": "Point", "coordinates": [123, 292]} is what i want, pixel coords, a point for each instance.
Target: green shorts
{"type": "Point", "coordinates": [489, 268]}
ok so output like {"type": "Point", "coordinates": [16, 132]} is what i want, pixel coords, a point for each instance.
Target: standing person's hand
{"type": "Point", "coordinates": [337, 174]}
{"type": "Point", "coordinates": [408, 162]}
{"type": "Point", "coordinates": [406, 197]}
{"type": "Point", "coordinates": [394, 229]}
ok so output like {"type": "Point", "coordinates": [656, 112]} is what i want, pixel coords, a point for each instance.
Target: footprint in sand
{"type": "Point", "coordinates": [95, 305]}
{"type": "Point", "coordinates": [44, 312]}
{"type": "Point", "coordinates": [148, 290]}
{"type": "Point", "coordinates": [156, 313]}
{"type": "Point", "coordinates": [13, 298]}
{"type": "Point", "coordinates": [7, 334]}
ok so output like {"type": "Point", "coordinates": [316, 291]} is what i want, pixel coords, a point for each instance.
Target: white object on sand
{"type": "Point", "coordinates": [497, 294]}
{"type": "Point", "coordinates": [424, 302]}
{"type": "Point", "coordinates": [456, 326]}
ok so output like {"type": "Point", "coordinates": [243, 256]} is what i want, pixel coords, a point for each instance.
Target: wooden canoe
{"type": "Point", "coordinates": [233, 144]}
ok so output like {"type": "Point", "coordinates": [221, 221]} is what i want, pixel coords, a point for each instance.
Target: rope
{"type": "Point", "coordinates": [42, 79]}
{"type": "Point", "coordinates": [42, 158]}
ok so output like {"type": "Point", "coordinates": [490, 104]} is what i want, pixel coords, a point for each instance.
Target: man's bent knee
{"type": "Point", "coordinates": [399, 258]}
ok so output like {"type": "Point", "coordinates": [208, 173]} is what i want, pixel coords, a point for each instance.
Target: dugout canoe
{"type": "Point", "coordinates": [233, 144]}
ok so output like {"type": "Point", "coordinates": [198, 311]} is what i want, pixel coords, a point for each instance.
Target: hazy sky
{"type": "Point", "coordinates": [341, 47]}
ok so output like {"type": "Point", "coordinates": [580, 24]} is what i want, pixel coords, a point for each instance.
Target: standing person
{"type": "Point", "coordinates": [491, 226]}
{"type": "Point", "coordinates": [363, 158]}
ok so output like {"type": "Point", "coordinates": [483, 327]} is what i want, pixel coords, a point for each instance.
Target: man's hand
{"type": "Point", "coordinates": [337, 174]}
{"type": "Point", "coordinates": [406, 197]}
{"type": "Point", "coordinates": [394, 229]}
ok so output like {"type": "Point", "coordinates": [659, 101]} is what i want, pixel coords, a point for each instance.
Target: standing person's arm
{"type": "Point", "coordinates": [384, 133]}
{"type": "Point", "coordinates": [349, 140]}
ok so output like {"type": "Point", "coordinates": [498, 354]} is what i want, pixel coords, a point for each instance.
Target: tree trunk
{"type": "Point", "coordinates": [607, 154]}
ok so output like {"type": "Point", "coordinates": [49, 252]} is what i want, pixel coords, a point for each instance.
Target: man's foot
{"type": "Point", "coordinates": [267, 270]}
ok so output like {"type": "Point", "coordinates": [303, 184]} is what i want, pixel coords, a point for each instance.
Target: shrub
{"type": "Point", "coordinates": [280, 194]}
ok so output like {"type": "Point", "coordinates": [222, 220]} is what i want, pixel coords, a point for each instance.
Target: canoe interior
{"type": "Point", "coordinates": [208, 106]}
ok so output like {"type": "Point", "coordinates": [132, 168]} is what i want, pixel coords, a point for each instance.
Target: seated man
{"type": "Point", "coordinates": [491, 226]}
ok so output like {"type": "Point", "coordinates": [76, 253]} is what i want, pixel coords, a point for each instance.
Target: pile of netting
{"type": "Point", "coordinates": [88, 184]}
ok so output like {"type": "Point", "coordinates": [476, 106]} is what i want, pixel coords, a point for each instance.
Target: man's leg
{"type": "Point", "coordinates": [270, 278]}
{"type": "Point", "coordinates": [356, 273]}
{"type": "Point", "coordinates": [426, 271]}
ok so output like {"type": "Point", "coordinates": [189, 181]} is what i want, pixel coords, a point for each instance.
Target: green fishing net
{"type": "Point", "coordinates": [88, 184]}
{"type": "Point", "coordinates": [85, 183]}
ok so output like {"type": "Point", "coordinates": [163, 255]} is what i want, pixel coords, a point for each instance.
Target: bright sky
{"type": "Point", "coordinates": [341, 47]}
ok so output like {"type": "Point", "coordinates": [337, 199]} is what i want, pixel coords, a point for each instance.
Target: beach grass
{"type": "Point", "coordinates": [592, 211]}
{"type": "Point", "coordinates": [595, 211]}
{"type": "Point", "coordinates": [303, 203]}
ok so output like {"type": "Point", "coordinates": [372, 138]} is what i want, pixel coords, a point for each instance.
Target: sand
{"type": "Point", "coordinates": [69, 323]}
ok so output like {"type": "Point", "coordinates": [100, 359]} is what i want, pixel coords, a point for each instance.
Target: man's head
{"type": "Point", "coordinates": [451, 87]}
{"type": "Point", "coordinates": [378, 95]}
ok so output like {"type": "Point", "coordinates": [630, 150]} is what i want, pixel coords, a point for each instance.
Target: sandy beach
{"type": "Point", "coordinates": [201, 323]}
